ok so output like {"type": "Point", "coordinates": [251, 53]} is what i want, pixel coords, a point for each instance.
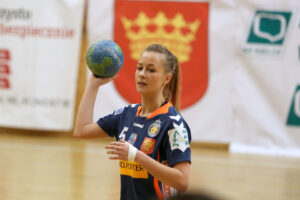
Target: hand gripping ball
{"type": "Point", "coordinates": [104, 58]}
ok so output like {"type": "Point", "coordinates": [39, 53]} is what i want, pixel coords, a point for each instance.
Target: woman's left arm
{"type": "Point", "coordinates": [176, 176]}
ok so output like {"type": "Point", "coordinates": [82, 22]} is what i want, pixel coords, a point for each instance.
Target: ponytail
{"type": "Point", "coordinates": [172, 91]}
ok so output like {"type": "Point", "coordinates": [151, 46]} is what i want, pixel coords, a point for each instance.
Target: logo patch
{"type": "Point", "coordinates": [133, 169]}
{"type": "Point", "coordinates": [132, 138]}
{"type": "Point", "coordinates": [178, 137]}
{"type": "Point", "coordinates": [294, 114]}
{"type": "Point", "coordinates": [148, 145]}
{"type": "Point", "coordinates": [267, 33]}
{"type": "Point", "coordinates": [154, 128]}
{"type": "Point", "coordinates": [269, 27]}
{"type": "Point", "coordinates": [180, 26]}
{"type": "Point", "coordinates": [138, 125]}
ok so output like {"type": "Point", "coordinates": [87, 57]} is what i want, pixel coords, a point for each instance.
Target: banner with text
{"type": "Point", "coordinates": [39, 59]}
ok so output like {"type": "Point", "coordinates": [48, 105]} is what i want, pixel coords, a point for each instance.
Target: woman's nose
{"type": "Point", "coordinates": [141, 73]}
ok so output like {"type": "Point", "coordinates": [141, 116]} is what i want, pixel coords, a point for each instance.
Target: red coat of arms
{"type": "Point", "coordinates": [181, 26]}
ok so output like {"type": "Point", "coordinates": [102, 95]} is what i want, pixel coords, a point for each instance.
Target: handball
{"type": "Point", "coordinates": [104, 58]}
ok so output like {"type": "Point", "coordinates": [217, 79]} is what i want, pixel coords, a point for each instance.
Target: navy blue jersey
{"type": "Point", "coordinates": [164, 136]}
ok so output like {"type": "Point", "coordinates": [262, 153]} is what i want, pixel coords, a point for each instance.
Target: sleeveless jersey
{"type": "Point", "coordinates": [164, 136]}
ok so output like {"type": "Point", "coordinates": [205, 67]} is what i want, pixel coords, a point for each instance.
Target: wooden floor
{"type": "Point", "coordinates": [46, 167]}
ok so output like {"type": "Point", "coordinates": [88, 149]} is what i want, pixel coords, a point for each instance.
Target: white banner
{"type": "Point", "coordinates": [39, 60]}
{"type": "Point", "coordinates": [267, 78]}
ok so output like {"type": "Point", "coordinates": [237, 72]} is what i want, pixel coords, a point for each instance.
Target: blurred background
{"type": "Point", "coordinates": [240, 65]}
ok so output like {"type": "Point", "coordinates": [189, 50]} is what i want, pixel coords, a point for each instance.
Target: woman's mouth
{"type": "Point", "coordinates": [141, 83]}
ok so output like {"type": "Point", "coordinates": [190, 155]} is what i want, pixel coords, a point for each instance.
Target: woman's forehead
{"type": "Point", "coordinates": [152, 57]}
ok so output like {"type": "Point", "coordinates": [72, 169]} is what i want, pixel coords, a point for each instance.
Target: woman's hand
{"type": "Point", "coordinates": [118, 150]}
{"type": "Point", "coordinates": [97, 82]}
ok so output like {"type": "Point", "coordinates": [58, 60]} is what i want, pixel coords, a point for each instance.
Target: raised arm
{"type": "Point", "coordinates": [84, 125]}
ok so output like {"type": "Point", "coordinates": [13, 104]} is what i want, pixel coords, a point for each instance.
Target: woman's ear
{"type": "Point", "coordinates": [168, 79]}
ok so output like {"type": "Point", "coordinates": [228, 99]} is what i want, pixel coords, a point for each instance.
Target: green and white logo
{"type": "Point", "coordinates": [294, 114]}
{"type": "Point", "coordinates": [178, 137]}
{"type": "Point", "coordinates": [269, 27]}
{"type": "Point", "coordinates": [267, 33]}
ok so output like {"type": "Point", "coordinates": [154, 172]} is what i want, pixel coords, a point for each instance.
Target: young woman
{"type": "Point", "coordinates": [152, 138]}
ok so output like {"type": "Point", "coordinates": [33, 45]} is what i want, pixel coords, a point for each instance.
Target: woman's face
{"type": "Point", "coordinates": [150, 75]}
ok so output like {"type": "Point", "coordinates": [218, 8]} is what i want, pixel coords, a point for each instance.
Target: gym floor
{"type": "Point", "coordinates": [37, 166]}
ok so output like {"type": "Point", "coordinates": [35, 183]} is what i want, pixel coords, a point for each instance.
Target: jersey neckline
{"type": "Point", "coordinates": [161, 110]}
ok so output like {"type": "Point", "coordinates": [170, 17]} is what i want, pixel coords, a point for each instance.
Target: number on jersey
{"type": "Point", "coordinates": [122, 134]}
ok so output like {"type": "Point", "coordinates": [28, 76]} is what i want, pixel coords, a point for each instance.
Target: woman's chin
{"type": "Point", "coordinates": [140, 89]}
{"type": "Point", "coordinates": [141, 92]}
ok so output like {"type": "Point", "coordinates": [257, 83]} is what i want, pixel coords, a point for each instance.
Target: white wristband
{"type": "Point", "coordinates": [131, 153]}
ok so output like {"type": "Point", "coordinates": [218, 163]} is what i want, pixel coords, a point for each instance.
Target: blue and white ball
{"type": "Point", "coordinates": [104, 58]}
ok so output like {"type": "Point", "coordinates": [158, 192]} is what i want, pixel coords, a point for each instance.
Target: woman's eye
{"type": "Point", "coordinates": [152, 70]}
{"type": "Point", "coordinates": [139, 68]}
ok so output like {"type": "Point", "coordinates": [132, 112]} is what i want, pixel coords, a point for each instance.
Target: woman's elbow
{"type": "Point", "coordinates": [77, 133]}
{"type": "Point", "coordinates": [183, 186]}
{"type": "Point", "coordinates": [87, 131]}
{"type": "Point", "coordinates": [183, 181]}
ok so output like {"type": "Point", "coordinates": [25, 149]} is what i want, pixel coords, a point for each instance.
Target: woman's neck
{"type": "Point", "coordinates": [150, 104]}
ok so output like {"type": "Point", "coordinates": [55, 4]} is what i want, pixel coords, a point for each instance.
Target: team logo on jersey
{"type": "Point", "coordinates": [132, 138]}
{"type": "Point", "coordinates": [148, 145]}
{"type": "Point", "coordinates": [178, 137]}
{"type": "Point", "coordinates": [154, 128]}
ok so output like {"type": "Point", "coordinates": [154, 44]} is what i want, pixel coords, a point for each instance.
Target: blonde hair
{"type": "Point", "coordinates": [172, 90]}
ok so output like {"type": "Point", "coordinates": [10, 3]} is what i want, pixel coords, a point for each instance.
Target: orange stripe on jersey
{"type": "Point", "coordinates": [157, 190]}
{"type": "Point", "coordinates": [161, 110]}
{"type": "Point", "coordinates": [138, 111]}
{"type": "Point", "coordinates": [156, 186]}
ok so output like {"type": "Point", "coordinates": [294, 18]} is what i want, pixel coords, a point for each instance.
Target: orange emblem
{"type": "Point", "coordinates": [148, 145]}
{"type": "Point", "coordinates": [180, 26]}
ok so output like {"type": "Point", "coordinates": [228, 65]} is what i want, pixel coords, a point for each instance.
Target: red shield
{"type": "Point", "coordinates": [181, 26]}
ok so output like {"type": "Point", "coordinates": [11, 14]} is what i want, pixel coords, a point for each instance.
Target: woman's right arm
{"type": "Point", "coordinates": [84, 125]}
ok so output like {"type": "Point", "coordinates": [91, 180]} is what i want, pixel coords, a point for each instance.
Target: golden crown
{"type": "Point", "coordinates": [176, 34]}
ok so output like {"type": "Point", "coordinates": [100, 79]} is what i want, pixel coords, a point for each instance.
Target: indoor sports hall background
{"type": "Point", "coordinates": [240, 64]}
